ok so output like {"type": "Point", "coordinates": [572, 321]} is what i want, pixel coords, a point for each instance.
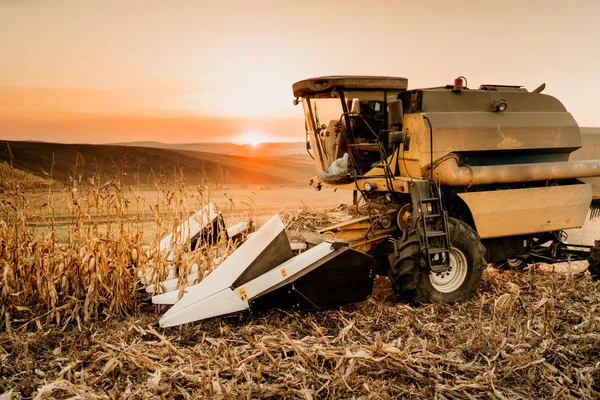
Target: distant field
{"type": "Point", "coordinates": [145, 165]}
{"type": "Point", "coordinates": [137, 185]}
{"type": "Point", "coordinates": [237, 202]}
{"type": "Point", "coordinates": [10, 175]}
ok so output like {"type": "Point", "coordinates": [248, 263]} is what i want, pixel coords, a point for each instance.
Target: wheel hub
{"type": "Point", "coordinates": [454, 277]}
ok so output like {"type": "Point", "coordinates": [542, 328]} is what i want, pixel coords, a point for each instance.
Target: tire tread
{"type": "Point", "coordinates": [410, 279]}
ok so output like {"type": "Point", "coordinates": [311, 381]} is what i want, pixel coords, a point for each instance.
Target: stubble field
{"type": "Point", "coordinates": [73, 324]}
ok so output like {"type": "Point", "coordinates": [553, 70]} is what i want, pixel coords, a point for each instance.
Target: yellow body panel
{"type": "Point", "coordinates": [514, 212]}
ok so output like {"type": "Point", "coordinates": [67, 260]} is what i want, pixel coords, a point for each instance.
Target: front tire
{"type": "Point", "coordinates": [414, 282]}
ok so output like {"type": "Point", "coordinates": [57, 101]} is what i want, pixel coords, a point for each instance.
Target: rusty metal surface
{"type": "Point", "coordinates": [326, 83]}
{"type": "Point", "coordinates": [514, 212]}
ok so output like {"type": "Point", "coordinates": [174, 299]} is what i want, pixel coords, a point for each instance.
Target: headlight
{"type": "Point", "coordinates": [499, 106]}
{"type": "Point", "coordinates": [369, 187]}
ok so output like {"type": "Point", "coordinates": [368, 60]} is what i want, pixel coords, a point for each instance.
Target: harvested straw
{"type": "Point", "coordinates": [528, 335]}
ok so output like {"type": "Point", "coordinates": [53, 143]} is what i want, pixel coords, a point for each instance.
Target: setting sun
{"type": "Point", "coordinates": [253, 138]}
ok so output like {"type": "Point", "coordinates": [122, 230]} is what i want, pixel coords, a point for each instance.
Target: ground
{"type": "Point", "coordinates": [528, 334]}
{"type": "Point", "coordinates": [80, 330]}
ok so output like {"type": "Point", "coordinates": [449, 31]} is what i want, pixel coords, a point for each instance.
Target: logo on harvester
{"type": "Point", "coordinates": [283, 273]}
{"type": "Point", "coordinates": [242, 293]}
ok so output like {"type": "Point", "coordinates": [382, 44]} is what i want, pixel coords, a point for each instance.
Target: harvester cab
{"type": "Point", "coordinates": [347, 124]}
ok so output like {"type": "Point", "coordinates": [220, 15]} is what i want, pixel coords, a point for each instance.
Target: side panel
{"type": "Point", "coordinates": [532, 125]}
{"type": "Point", "coordinates": [411, 158]}
{"type": "Point", "coordinates": [487, 131]}
{"type": "Point", "coordinates": [523, 211]}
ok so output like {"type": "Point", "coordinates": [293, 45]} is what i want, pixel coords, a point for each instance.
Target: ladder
{"type": "Point", "coordinates": [432, 225]}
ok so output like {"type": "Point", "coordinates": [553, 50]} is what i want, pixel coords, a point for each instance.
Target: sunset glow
{"type": "Point", "coordinates": [199, 71]}
{"type": "Point", "coordinates": [253, 138]}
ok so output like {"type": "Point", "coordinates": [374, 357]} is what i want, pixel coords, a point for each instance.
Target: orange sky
{"type": "Point", "coordinates": [196, 71]}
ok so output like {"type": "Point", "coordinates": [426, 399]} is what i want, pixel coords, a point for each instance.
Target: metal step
{"type": "Point", "coordinates": [431, 234]}
{"type": "Point", "coordinates": [433, 224]}
{"type": "Point", "coordinates": [438, 250]}
{"type": "Point", "coordinates": [431, 215]}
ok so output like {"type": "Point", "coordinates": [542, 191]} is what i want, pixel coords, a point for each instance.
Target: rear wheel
{"type": "Point", "coordinates": [413, 281]}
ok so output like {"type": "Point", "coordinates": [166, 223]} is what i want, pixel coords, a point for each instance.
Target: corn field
{"type": "Point", "coordinates": [73, 254]}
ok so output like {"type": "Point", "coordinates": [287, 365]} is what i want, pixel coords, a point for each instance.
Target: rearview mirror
{"type": "Point", "coordinates": [397, 137]}
{"type": "Point", "coordinates": [396, 113]}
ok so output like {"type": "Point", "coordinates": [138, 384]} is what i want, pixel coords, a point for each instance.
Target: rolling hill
{"type": "Point", "coordinates": [246, 150]}
{"type": "Point", "coordinates": [81, 161]}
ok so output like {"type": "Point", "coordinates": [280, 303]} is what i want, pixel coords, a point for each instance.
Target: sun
{"type": "Point", "coordinates": [253, 138]}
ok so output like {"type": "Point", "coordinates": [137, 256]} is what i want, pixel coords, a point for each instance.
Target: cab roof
{"type": "Point", "coordinates": [326, 83]}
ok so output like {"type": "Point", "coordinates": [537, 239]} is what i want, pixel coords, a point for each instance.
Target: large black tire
{"type": "Point", "coordinates": [414, 282]}
{"type": "Point", "coordinates": [594, 260]}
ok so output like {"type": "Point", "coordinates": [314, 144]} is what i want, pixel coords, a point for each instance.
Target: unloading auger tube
{"type": "Point", "coordinates": [449, 173]}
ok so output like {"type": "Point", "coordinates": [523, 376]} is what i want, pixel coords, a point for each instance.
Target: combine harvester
{"type": "Point", "coordinates": [454, 179]}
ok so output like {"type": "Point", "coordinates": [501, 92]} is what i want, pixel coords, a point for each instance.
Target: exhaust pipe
{"type": "Point", "coordinates": [449, 173]}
